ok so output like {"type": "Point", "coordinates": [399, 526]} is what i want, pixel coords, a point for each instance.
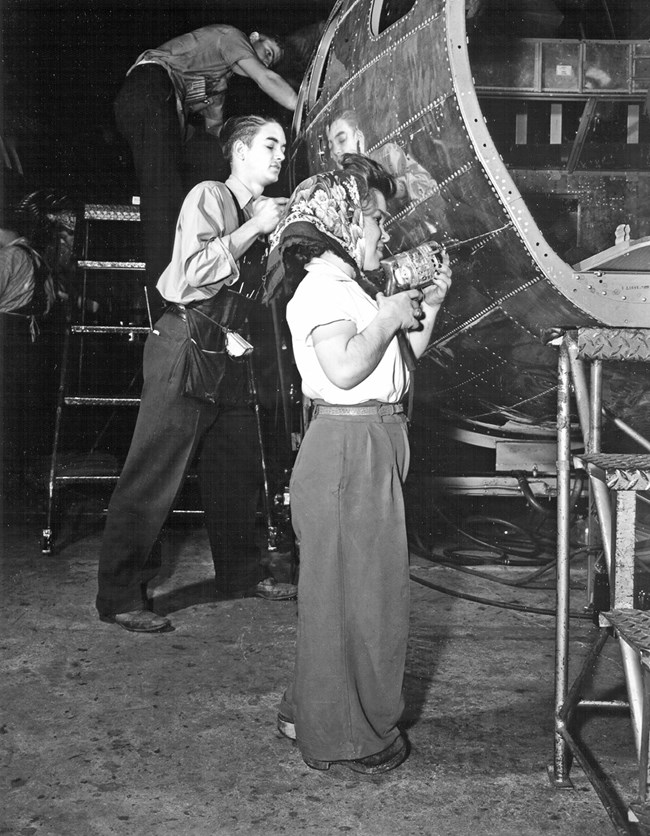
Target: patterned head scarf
{"type": "Point", "coordinates": [324, 212]}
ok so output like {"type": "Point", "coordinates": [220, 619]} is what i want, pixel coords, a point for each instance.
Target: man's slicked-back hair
{"type": "Point", "coordinates": [369, 175]}
{"type": "Point", "coordinates": [244, 128]}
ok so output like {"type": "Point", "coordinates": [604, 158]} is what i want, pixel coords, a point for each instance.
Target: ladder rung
{"type": "Point", "coordinates": [631, 344]}
{"type": "Point", "coordinates": [104, 212]}
{"type": "Point", "coordinates": [109, 329]}
{"type": "Point", "coordinates": [69, 480]}
{"type": "Point", "coordinates": [102, 401]}
{"type": "Point", "coordinates": [106, 478]}
{"type": "Point", "coordinates": [633, 625]}
{"type": "Point", "coordinates": [112, 265]}
{"type": "Point", "coordinates": [620, 471]}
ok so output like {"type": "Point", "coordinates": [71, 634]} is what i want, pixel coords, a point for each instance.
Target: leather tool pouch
{"type": "Point", "coordinates": [211, 375]}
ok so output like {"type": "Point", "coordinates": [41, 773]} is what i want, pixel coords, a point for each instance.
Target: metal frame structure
{"type": "Point", "coordinates": [614, 481]}
{"type": "Point", "coordinates": [57, 477]}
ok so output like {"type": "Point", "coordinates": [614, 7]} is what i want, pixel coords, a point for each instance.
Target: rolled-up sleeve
{"type": "Point", "coordinates": [317, 302]}
{"type": "Point", "coordinates": [205, 245]}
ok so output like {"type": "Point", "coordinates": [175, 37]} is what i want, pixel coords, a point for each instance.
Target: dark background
{"type": "Point", "coordinates": [63, 63]}
{"type": "Point", "coordinates": [64, 60]}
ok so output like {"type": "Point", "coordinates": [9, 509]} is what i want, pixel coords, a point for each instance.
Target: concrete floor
{"type": "Point", "coordinates": [107, 732]}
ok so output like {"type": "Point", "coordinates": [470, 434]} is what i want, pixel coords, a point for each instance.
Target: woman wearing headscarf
{"type": "Point", "coordinates": [345, 700]}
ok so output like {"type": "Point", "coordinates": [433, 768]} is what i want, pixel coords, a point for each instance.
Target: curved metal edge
{"type": "Point", "coordinates": [305, 94]}
{"type": "Point", "coordinates": [558, 272]}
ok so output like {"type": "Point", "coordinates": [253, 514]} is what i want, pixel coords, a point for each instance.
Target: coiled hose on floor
{"type": "Point", "coordinates": [503, 543]}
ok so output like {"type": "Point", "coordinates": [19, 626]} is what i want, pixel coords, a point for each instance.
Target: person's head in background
{"type": "Point", "coordinates": [268, 48]}
{"type": "Point", "coordinates": [31, 217]}
{"type": "Point", "coordinates": [344, 136]}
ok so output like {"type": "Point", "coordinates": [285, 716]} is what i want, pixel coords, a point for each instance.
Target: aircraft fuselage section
{"type": "Point", "coordinates": [404, 91]}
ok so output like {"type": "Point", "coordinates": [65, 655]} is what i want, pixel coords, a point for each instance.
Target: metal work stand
{"type": "Point", "coordinates": [614, 481]}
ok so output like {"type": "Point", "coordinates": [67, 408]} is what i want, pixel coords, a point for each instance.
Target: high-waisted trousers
{"type": "Point", "coordinates": [348, 514]}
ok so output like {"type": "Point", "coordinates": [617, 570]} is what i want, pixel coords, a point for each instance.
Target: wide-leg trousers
{"type": "Point", "coordinates": [348, 514]}
{"type": "Point", "coordinates": [169, 431]}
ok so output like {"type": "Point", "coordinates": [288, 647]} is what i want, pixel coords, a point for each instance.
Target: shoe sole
{"type": "Point", "coordinates": [286, 728]}
{"type": "Point", "coordinates": [271, 590]}
{"type": "Point", "coordinates": [398, 758]}
{"type": "Point", "coordinates": [322, 766]}
{"type": "Point", "coordinates": [165, 628]}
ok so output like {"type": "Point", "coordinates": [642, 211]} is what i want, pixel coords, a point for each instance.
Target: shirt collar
{"type": "Point", "coordinates": [241, 192]}
{"type": "Point", "coordinates": [320, 265]}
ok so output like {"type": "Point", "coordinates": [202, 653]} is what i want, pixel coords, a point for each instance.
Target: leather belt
{"type": "Point", "coordinates": [371, 409]}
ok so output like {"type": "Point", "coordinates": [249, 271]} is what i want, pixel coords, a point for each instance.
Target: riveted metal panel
{"type": "Point", "coordinates": [416, 98]}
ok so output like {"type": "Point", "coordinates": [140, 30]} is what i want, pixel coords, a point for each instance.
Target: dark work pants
{"type": "Point", "coordinates": [166, 167]}
{"type": "Point", "coordinates": [169, 431]}
{"type": "Point", "coordinates": [146, 116]}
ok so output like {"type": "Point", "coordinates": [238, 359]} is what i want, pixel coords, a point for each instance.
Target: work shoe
{"type": "Point", "coordinates": [286, 727]}
{"type": "Point", "coordinates": [271, 590]}
{"type": "Point", "coordinates": [383, 761]}
{"type": "Point", "coordinates": [140, 621]}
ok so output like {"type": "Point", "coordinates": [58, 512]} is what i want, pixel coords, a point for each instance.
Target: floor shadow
{"type": "Point", "coordinates": [422, 660]}
{"type": "Point", "coordinates": [81, 519]}
{"type": "Point", "coordinates": [201, 592]}
{"type": "Point", "coordinates": [171, 542]}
